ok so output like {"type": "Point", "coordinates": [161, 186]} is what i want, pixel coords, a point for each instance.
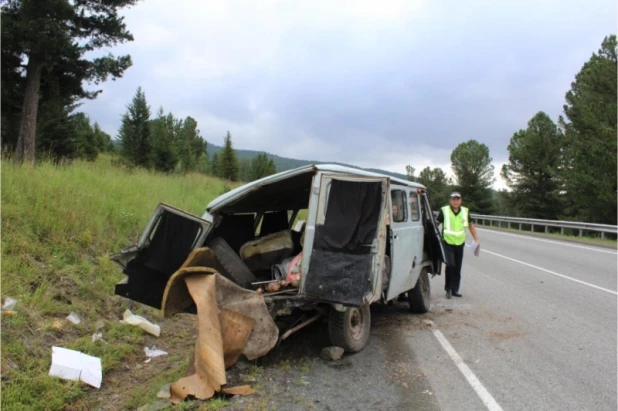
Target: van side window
{"type": "Point", "coordinates": [398, 198]}
{"type": "Point", "coordinates": [414, 203]}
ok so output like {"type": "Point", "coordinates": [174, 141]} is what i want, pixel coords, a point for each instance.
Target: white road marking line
{"type": "Point", "coordinates": [551, 272]}
{"type": "Point", "coordinates": [474, 382]}
{"type": "Point", "coordinates": [550, 241]}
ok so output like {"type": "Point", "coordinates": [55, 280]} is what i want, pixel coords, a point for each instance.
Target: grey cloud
{"type": "Point", "coordinates": [355, 93]}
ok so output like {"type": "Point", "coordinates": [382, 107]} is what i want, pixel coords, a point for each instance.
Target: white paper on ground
{"type": "Point", "coordinates": [475, 248]}
{"type": "Point", "coordinates": [130, 318]}
{"type": "Point", "coordinates": [74, 365]}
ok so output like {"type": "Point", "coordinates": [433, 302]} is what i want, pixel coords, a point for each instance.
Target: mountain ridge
{"type": "Point", "coordinates": [287, 163]}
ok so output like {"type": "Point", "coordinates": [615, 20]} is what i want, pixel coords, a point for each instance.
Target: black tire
{"type": "Point", "coordinates": [350, 329]}
{"type": "Point", "coordinates": [234, 268]}
{"type": "Point", "coordinates": [419, 297]}
{"type": "Point", "coordinates": [386, 272]}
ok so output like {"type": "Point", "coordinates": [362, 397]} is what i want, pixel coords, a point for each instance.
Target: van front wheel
{"type": "Point", "coordinates": [350, 329]}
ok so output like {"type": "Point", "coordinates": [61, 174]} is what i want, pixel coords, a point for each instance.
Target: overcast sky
{"type": "Point", "coordinates": [372, 83]}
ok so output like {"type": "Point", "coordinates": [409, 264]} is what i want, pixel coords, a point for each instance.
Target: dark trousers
{"type": "Point", "coordinates": [453, 272]}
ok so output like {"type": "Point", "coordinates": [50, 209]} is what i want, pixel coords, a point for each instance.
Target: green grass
{"type": "Point", "coordinates": [59, 226]}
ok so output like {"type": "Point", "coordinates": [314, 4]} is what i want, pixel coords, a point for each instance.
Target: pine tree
{"type": "Point", "coordinates": [533, 168]}
{"type": "Point", "coordinates": [101, 138]}
{"type": "Point", "coordinates": [474, 172]}
{"type": "Point", "coordinates": [227, 161]}
{"type": "Point", "coordinates": [191, 144]}
{"type": "Point", "coordinates": [84, 136]}
{"type": "Point", "coordinates": [438, 186]}
{"type": "Point", "coordinates": [261, 166]}
{"type": "Point", "coordinates": [165, 152]}
{"type": "Point", "coordinates": [590, 138]}
{"type": "Point", "coordinates": [134, 134]}
{"type": "Point", "coordinates": [52, 33]}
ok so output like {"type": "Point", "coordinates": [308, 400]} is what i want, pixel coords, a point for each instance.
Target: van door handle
{"type": "Point", "coordinates": [395, 237]}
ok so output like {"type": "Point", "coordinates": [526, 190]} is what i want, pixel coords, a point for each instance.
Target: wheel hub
{"type": "Point", "coordinates": [356, 323]}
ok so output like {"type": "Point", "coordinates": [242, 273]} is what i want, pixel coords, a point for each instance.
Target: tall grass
{"type": "Point", "coordinates": [60, 223]}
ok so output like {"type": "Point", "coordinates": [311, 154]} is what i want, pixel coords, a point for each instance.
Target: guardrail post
{"type": "Point", "coordinates": [509, 225]}
{"type": "Point", "coordinates": [580, 232]}
{"type": "Point", "coordinates": [499, 224]}
{"type": "Point", "coordinates": [532, 227]}
{"type": "Point", "coordinates": [546, 229]}
{"type": "Point", "coordinates": [561, 230]}
{"type": "Point", "coordinates": [602, 235]}
{"type": "Point", "coordinates": [519, 226]}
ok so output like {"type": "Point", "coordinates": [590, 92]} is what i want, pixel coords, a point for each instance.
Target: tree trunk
{"type": "Point", "coordinates": [27, 127]}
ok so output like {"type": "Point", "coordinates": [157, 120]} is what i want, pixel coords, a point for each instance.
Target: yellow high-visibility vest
{"type": "Point", "coordinates": [455, 225]}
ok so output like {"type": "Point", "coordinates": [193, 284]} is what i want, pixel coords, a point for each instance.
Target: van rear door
{"type": "Point", "coordinates": [347, 241]}
{"type": "Point", "coordinates": [169, 237]}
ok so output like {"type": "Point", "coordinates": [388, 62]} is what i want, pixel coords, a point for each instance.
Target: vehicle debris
{"type": "Point", "coordinates": [129, 318]}
{"type": "Point", "coordinates": [231, 321]}
{"type": "Point", "coordinates": [332, 353]}
{"type": "Point", "coordinates": [428, 323]}
{"type": "Point", "coordinates": [74, 365]}
{"type": "Point", "coordinates": [74, 318]}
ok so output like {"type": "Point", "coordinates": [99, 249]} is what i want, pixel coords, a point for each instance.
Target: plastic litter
{"type": "Point", "coordinates": [9, 304]}
{"type": "Point", "coordinates": [74, 318]}
{"type": "Point", "coordinates": [74, 365]}
{"type": "Point", "coordinates": [98, 337]}
{"type": "Point", "coordinates": [144, 324]}
{"type": "Point", "coordinates": [154, 352]}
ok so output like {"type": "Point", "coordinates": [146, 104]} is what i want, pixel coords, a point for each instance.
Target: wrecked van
{"type": "Point", "coordinates": [316, 241]}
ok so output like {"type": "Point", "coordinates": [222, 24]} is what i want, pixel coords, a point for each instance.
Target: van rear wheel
{"type": "Point", "coordinates": [350, 329]}
{"type": "Point", "coordinates": [419, 297]}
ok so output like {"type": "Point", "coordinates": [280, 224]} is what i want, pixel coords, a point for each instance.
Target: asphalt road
{"type": "Point", "coordinates": [536, 329]}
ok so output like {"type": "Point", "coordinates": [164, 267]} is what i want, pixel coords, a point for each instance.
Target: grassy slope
{"type": "Point", "coordinates": [59, 225]}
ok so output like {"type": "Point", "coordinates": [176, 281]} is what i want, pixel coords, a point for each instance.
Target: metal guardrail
{"type": "Point", "coordinates": [532, 222]}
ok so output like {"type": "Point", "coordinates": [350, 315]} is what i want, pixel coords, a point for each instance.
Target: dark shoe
{"type": "Point", "coordinates": [448, 294]}
{"type": "Point", "coordinates": [457, 295]}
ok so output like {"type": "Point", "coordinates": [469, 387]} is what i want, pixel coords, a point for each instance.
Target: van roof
{"type": "Point", "coordinates": [238, 192]}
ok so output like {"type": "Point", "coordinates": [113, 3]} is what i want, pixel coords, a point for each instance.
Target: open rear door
{"type": "Point", "coordinates": [165, 244]}
{"type": "Point", "coordinates": [348, 244]}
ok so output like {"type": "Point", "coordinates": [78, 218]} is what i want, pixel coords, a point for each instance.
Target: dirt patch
{"type": "Point", "coordinates": [136, 382]}
{"type": "Point", "coordinates": [503, 336]}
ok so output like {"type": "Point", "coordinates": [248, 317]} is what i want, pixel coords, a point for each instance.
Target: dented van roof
{"type": "Point", "coordinates": [311, 169]}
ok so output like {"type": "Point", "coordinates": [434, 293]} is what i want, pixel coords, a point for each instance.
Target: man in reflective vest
{"type": "Point", "coordinates": [455, 220]}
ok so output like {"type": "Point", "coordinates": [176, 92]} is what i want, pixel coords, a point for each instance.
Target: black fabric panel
{"type": "Point", "coordinates": [341, 258]}
{"type": "Point", "coordinates": [339, 278]}
{"type": "Point", "coordinates": [274, 222]}
{"type": "Point", "coordinates": [144, 285]}
{"type": "Point", "coordinates": [171, 243]}
{"type": "Point", "coordinates": [236, 229]}
{"type": "Point", "coordinates": [351, 217]}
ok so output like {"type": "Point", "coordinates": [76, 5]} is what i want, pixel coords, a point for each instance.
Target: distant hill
{"type": "Point", "coordinates": [285, 163]}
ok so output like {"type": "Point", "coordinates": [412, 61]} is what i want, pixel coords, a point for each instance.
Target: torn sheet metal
{"type": "Point", "coordinates": [231, 321]}
{"type": "Point", "coordinates": [177, 298]}
{"type": "Point", "coordinates": [222, 337]}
